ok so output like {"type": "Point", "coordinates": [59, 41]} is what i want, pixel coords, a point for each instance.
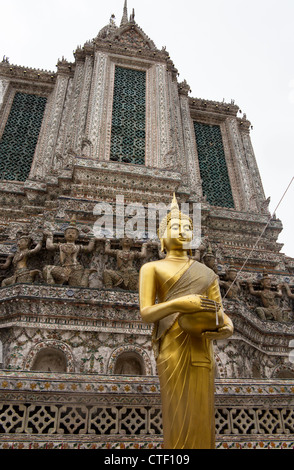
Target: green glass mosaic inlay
{"type": "Point", "coordinates": [128, 116]}
{"type": "Point", "coordinates": [20, 136]}
{"type": "Point", "coordinates": [213, 168]}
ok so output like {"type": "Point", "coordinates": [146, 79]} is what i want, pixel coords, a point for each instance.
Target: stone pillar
{"type": "Point", "coordinates": [192, 170]}
{"type": "Point", "coordinates": [241, 187]}
{"type": "Point", "coordinates": [96, 125]}
{"type": "Point", "coordinates": [256, 184]}
{"type": "Point", "coordinates": [3, 87]}
{"type": "Point", "coordinates": [44, 159]}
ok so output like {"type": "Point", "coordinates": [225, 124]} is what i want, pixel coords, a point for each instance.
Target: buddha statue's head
{"type": "Point", "coordinates": [175, 229]}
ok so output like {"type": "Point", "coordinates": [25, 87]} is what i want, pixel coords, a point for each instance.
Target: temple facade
{"type": "Point", "coordinates": [114, 134]}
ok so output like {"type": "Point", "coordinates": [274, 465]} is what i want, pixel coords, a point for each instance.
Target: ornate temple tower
{"type": "Point", "coordinates": [116, 127]}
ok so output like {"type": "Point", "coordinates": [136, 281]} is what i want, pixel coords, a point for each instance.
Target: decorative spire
{"type": "Point", "coordinates": [132, 17]}
{"type": "Point", "coordinates": [124, 19]}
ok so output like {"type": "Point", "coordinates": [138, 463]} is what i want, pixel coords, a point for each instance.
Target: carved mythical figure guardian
{"type": "Point", "coordinates": [270, 310]}
{"type": "Point", "coordinates": [19, 262]}
{"type": "Point", "coordinates": [290, 294]}
{"type": "Point", "coordinates": [70, 271]}
{"type": "Point", "coordinates": [209, 259]}
{"type": "Point", "coordinates": [126, 276]}
{"type": "Point", "coordinates": [231, 285]}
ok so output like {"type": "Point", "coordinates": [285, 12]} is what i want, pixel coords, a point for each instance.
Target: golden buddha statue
{"type": "Point", "coordinates": [182, 298]}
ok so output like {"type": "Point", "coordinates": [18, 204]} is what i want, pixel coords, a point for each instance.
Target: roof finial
{"type": "Point", "coordinates": [132, 17]}
{"type": "Point", "coordinates": [124, 19]}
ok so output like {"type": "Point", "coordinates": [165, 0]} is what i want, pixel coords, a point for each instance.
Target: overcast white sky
{"type": "Point", "coordinates": [224, 49]}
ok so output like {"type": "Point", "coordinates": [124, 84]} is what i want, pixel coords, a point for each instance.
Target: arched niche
{"type": "Point", "coordinates": [50, 356]}
{"type": "Point", "coordinates": [129, 363]}
{"type": "Point", "coordinates": [50, 360]}
{"type": "Point", "coordinates": [129, 360]}
{"type": "Point", "coordinates": [284, 373]}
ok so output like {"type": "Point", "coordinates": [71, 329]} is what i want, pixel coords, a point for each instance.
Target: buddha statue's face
{"type": "Point", "coordinates": [71, 235]}
{"type": "Point", "coordinates": [178, 234]}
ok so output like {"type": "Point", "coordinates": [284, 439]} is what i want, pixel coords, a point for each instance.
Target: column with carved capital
{"type": "Point", "coordinates": [260, 202]}
{"type": "Point", "coordinates": [71, 111]}
{"type": "Point", "coordinates": [3, 87]}
{"type": "Point", "coordinates": [45, 153]}
{"type": "Point", "coordinates": [76, 128]}
{"type": "Point", "coordinates": [192, 168]}
{"type": "Point", "coordinates": [98, 119]}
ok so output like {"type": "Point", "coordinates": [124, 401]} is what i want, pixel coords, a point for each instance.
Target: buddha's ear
{"type": "Point", "coordinates": [162, 247]}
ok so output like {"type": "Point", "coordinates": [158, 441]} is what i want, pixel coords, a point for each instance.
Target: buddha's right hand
{"type": "Point", "coordinates": [193, 303]}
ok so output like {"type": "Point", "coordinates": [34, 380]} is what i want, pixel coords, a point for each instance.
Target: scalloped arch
{"type": "Point", "coordinates": [50, 344]}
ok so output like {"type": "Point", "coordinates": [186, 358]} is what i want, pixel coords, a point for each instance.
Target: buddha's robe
{"type": "Point", "coordinates": [185, 364]}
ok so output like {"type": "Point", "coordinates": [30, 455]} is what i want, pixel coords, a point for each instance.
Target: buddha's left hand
{"type": "Point", "coordinates": [222, 333]}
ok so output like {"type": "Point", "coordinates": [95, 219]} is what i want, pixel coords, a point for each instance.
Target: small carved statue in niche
{"type": "Point", "coordinates": [231, 285]}
{"type": "Point", "coordinates": [209, 260]}
{"type": "Point", "coordinates": [270, 310]}
{"type": "Point", "coordinates": [19, 261]}
{"type": "Point", "coordinates": [126, 276]}
{"type": "Point", "coordinates": [71, 272]}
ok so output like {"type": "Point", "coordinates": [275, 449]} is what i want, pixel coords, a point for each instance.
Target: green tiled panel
{"type": "Point", "coordinates": [128, 116]}
{"type": "Point", "coordinates": [20, 136]}
{"type": "Point", "coordinates": [213, 168]}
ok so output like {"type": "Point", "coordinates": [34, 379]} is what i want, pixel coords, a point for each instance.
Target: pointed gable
{"type": "Point", "coordinates": [131, 35]}
{"type": "Point", "coordinates": [128, 34]}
